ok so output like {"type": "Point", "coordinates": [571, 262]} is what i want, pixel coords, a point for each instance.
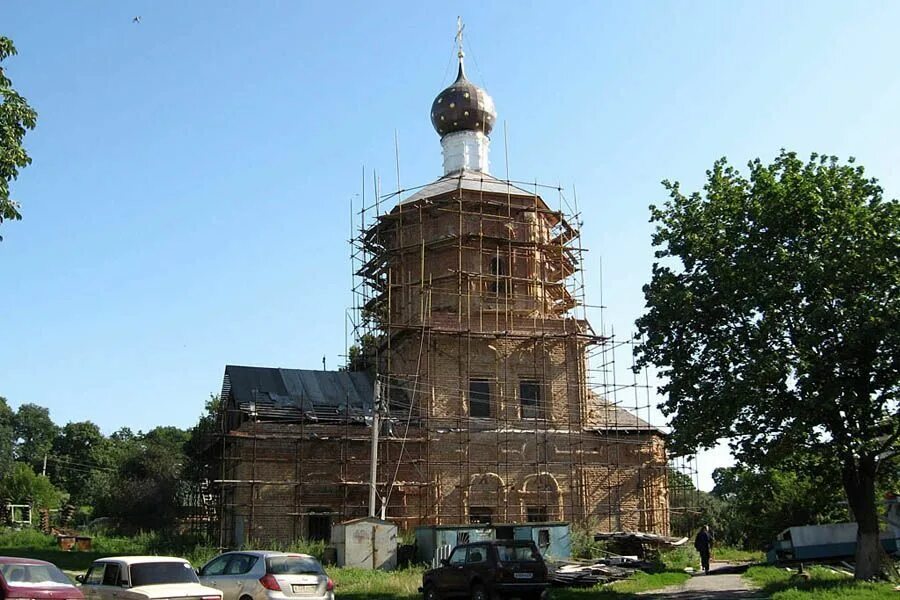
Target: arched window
{"type": "Point", "coordinates": [499, 272]}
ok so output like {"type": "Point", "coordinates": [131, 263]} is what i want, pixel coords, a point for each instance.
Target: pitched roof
{"type": "Point", "coordinates": [605, 416]}
{"type": "Point", "coordinates": [476, 181]}
{"type": "Point", "coordinates": [294, 393]}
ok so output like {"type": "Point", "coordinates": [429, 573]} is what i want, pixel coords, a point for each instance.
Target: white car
{"type": "Point", "coordinates": [260, 575]}
{"type": "Point", "coordinates": [144, 578]}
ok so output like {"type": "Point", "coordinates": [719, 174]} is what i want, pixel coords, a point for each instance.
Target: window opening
{"type": "Point", "coordinates": [499, 271]}
{"type": "Point", "coordinates": [537, 514]}
{"type": "Point", "coordinates": [319, 525]}
{"type": "Point", "coordinates": [530, 399]}
{"type": "Point", "coordinates": [543, 539]}
{"type": "Point", "coordinates": [481, 514]}
{"type": "Point", "coordinates": [479, 398]}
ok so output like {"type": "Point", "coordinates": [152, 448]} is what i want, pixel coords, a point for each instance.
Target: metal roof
{"type": "Point", "coordinates": [285, 393]}
{"type": "Point", "coordinates": [605, 416]}
{"type": "Point", "coordinates": [468, 180]}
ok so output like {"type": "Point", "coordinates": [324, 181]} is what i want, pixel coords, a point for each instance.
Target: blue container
{"type": "Point", "coordinates": [435, 541]}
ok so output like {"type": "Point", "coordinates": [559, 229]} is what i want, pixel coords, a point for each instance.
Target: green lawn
{"type": "Point", "coordinates": [823, 584]}
{"type": "Point", "coordinates": [737, 555]}
{"type": "Point", "coordinates": [362, 584]}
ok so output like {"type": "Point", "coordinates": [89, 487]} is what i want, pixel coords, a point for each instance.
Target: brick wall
{"type": "Point", "coordinates": [471, 289]}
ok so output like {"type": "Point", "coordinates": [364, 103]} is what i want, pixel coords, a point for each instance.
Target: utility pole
{"type": "Point", "coordinates": [373, 467]}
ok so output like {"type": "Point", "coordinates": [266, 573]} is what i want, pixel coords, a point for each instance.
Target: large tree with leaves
{"type": "Point", "coordinates": [34, 433]}
{"type": "Point", "coordinates": [16, 117]}
{"type": "Point", "coordinates": [7, 436]}
{"type": "Point", "coordinates": [773, 316]}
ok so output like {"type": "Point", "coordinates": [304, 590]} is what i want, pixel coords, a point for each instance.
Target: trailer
{"type": "Point", "coordinates": [834, 541]}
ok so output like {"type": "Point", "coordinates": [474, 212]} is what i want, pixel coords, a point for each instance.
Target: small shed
{"type": "Point", "coordinates": [367, 543]}
{"type": "Point", "coordinates": [434, 542]}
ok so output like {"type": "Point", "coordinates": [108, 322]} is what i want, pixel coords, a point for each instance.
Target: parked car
{"type": "Point", "coordinates": [27, 578]}
{"type": "Point", "coordinates": [491, 569]}
{"type": "Point", "coordinates": [143, 578]}
{"type": "Point", "coordinates": [267, 576]}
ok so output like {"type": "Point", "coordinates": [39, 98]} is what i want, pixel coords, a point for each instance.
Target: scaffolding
{"type": "Point", "coordinates": [500, 402]}
{"type": "Point", "coordinates": [475, 262]}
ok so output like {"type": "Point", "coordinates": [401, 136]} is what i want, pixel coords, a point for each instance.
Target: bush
{"type": "Point", "coordinates": [26, 538]}
{"type": "Point", "coordinates": [583, 544]}
{"type": "Point", "coordinates": [679, 558]}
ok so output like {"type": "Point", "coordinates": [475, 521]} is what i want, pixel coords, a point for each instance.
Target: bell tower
{"type": "Point", "coordinates": [478, 341]}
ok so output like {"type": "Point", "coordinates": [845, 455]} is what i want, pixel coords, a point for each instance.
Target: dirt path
{"type": "Point", "coordinates": [720, 584]}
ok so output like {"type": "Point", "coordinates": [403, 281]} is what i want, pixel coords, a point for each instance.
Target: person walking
{"type": "Point", "coordinates": [703, 544]}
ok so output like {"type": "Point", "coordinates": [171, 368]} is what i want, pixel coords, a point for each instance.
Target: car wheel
{"type": "Point", "coordinates": [245, 597]}
{"type": "Point", "coordinates": [479, 593]}
{"type": "Point", "coordinates": [430, 593]}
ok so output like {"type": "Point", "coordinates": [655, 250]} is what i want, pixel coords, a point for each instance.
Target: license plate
{"type": "Point", "coordinates": [523, 575]}
{"type": "Point", "coordinates": [303, 589]}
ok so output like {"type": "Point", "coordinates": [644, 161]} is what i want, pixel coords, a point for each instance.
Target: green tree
{"type": "Point", "coordinates": [16, 117]}
{"type": "Point", "coordinates": [21, 484]}
{"type": "Point", "coordinates": [762, 502]}
{"type": "Point", "coordinates": [201, 438]}
{"type": "Point", "coordinates": [74, 460]}
{"type": "Point", "coordinates": [144, 491]}
{"type": "Point", "coordinates": [362, 356]}
{"type": "Point", "coordinates": [773, 316]}
{"type": "Point", "coordinates": [690, 508]}
{"type": "Point", "coordinates": [7, 435]}
{"type": "Point", "coordinates": [34, 433]}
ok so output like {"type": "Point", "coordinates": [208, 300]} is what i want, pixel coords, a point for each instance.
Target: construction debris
{"type": "Point", "coordinates": [643, 538]}
{"type": "Point", "coordinates": [638, 543]}
{"type": "Point", "coordinates": [589, 574]}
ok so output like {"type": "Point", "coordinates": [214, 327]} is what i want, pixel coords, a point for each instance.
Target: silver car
{"type": "Point", "coordinates": [258, 575]}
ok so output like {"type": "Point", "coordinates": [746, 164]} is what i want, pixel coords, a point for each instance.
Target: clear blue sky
{"type": "Point", "coordinates": [188, 202]}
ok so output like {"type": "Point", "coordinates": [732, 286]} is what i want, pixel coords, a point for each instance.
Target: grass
{"type": "Point", "coordinates": [362, 584]}
{"type": "Point", "coordinates": [823, 584]}
{"type": "Point", "coordinates": [737, 555]}
{"type": "Point", "coordinates": [31, 543]}
{"type": "Point", "coordinates": [622, 590]}
{"type": "Point", "coordinates": [680, 558]}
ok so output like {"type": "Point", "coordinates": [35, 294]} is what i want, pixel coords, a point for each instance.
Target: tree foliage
{"type": "Point", "coordinates": [34, 433]}
{"type": "Point", "coordinates": [7, 435]}
{"type": "Point", "coordinates": [201, 437]}
{"type": "Point", "coordinates": [75, 463]}
{"type": "Point", "coordinates": [21, 485]}
{"type": "Point", "coordinates": [16, 117]}
{"type": "Point", "coordinates": [137, 479]}
{"type": "Point", "coordinates": [144, 494]}
{"type": "Point", "coordinates": [759, 503]}
{"type": "Point", "coordinates": [773, 316]}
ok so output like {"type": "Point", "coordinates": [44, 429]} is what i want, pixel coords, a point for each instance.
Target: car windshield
{"type": "Point", "coordinates": [160, 573]}
{"type": "Point", "coordinates": [517, 553]}
{"type": "Point", "coordinates": [33, 575]}
{"type": "Point", "coordinates": [293, 565]}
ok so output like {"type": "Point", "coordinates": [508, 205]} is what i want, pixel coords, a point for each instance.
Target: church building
{"type": "Point", "coordinates": [475, 359]}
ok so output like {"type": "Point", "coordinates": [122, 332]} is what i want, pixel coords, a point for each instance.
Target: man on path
{"type": "Point", "coordinates": [703, 544]}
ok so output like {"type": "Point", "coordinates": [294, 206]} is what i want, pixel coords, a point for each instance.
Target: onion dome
{"type": "Point", "coordinates": [463, 107]}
